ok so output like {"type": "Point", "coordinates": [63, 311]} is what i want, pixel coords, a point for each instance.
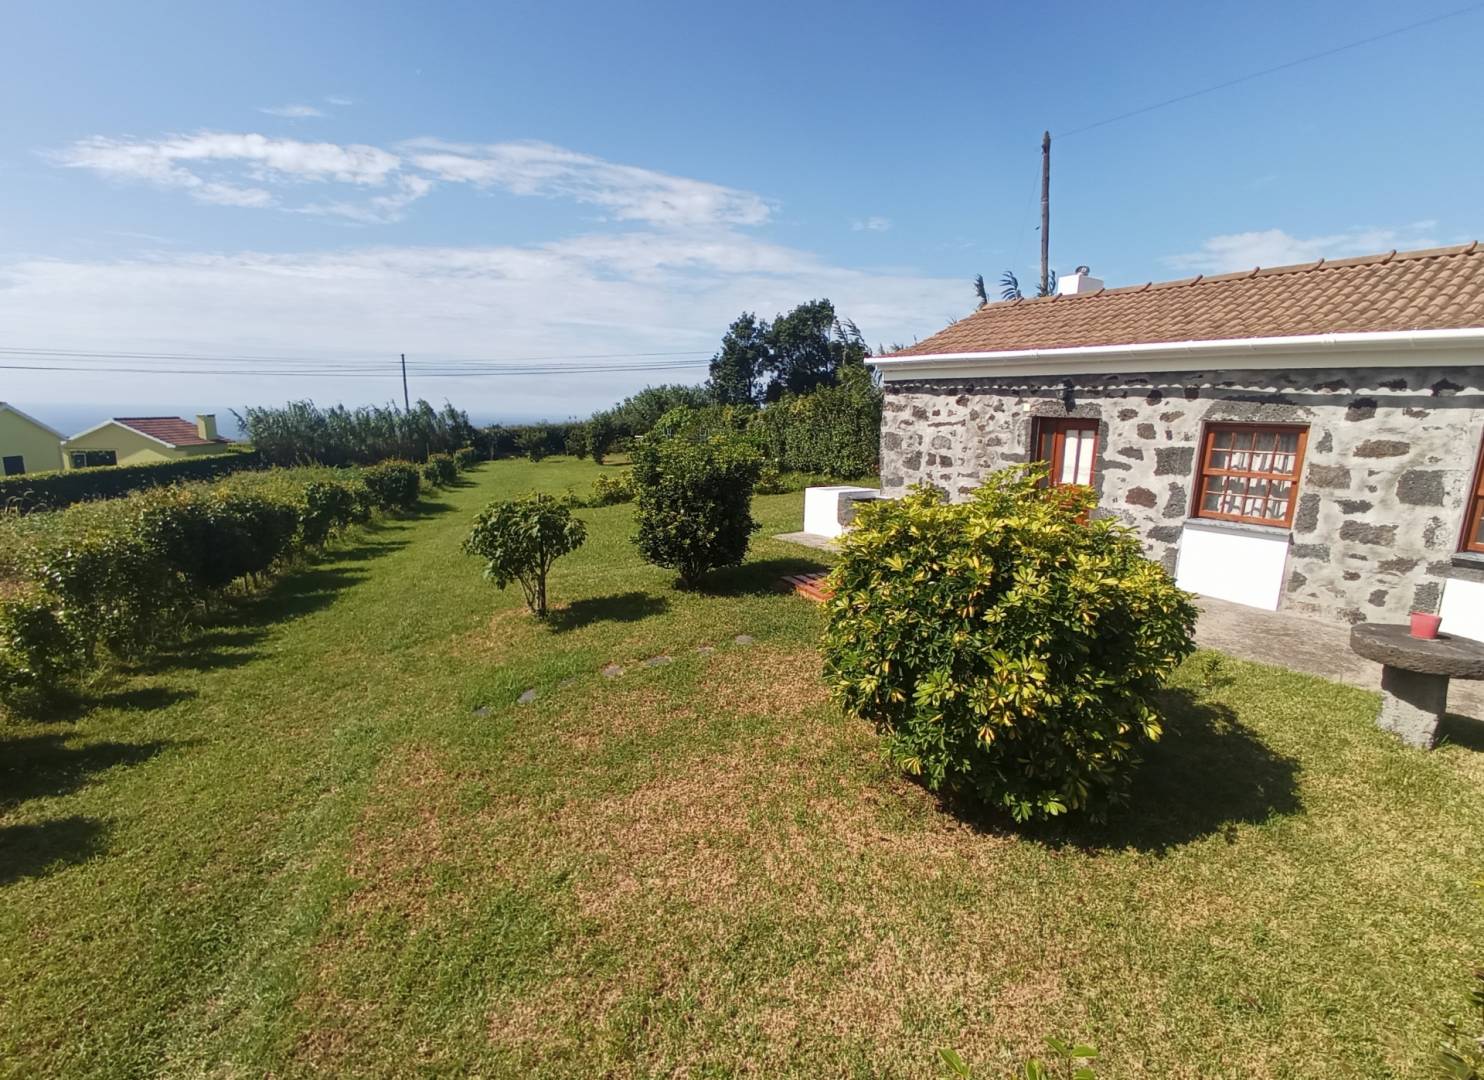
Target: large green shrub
{"type": "Point", "coordinates": [610, 489]}
{"type": "Point", "coordinates": [465, 457]}
{"type": "Point", "coordinates": [834, 431]}
{"type": "Point", "coordinates": [36, 649]}
{"type": "Point", "coordinates": [520, 539]}
{"type": "Point", "coordinates": [440, 470]}
{"type": "Point", "coordinates": [1006, 649]}
{"type": "Point", "coordinates": [695, 501]}
{"type": "Point", "coordinates": [394, 485]}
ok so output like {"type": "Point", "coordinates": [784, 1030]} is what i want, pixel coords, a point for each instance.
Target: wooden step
{"type": "Point", "coordinates": [811, 586]}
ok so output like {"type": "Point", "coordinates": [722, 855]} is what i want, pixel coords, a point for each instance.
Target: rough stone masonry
{"type": "Point", "coordinates": [1387, 471]}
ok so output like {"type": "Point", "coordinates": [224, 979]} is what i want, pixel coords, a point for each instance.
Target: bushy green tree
{"type": "Point", "coordinates": [695, 501]}
{"type": "Point", "coordinates": [1006, 648]}
{"type": "Point", "coordinates": [302, 433]}
{"type": "Point", "coordinates": [742, 361]}
{"type": "Point", "coordinates": [520, 539]}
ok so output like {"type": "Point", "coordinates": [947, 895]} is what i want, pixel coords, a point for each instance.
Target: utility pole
{"type": "Point", "coordinates": [1045, 212]}
{"type": "Point", "coordinates": [407, 401]}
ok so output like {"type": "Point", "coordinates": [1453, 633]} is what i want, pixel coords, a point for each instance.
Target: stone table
{"type": "Point", "coordinates": [1415, 674]}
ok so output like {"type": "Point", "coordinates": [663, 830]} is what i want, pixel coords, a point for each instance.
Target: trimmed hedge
{"type": "Point", "coordinates": [57, 490]}
{"type": "Point", "coordinates": [440, 470]}
{"type": "Point", "coordinates": [695, 502]}
{"type": "Point", "coordinates": [124, 575]}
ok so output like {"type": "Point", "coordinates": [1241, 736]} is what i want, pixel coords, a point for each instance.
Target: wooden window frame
{"type": "Point", "coordinates": [1204, 470]}
{"type": "Point", "coordinates": [1473, 518]}
{"type": "Point", "coordinates": [1055, 426]}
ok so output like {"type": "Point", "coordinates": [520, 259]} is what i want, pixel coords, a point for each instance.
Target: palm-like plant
{"type": "Point", "coordinates": [1010, 287]}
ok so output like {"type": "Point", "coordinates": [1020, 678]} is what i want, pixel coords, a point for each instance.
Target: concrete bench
{"type": "Point", "coordinates": [1415, 674]}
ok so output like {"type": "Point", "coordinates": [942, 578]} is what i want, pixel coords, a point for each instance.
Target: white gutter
{"type": "Point", "coordinates": [1390, 348]}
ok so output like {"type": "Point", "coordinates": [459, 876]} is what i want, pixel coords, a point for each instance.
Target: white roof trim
{"type": "Point", "coordinates": [126, 427]}
{"type": "Point", "coordinates": [5, 406]}
{"type": "Point", "coordinates": [1390, 348]}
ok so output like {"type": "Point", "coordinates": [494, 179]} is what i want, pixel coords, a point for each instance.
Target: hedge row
{"type": "Point", "coordinates": [56, 490]}
{"type": "Point", "coordinates": [123, 576]}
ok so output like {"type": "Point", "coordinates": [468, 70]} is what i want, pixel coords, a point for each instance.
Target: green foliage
{"type": "Point", "coordinates": [797, 353]}
{"type": "Point", "coordinates": [466, 457]}
{"type": "Point", "coordinates": [440, 470]}
{"type": "Point", "coordinates": [394, 485]}
{"type": "Point", "coordinates": [536, 442]}
{"type": "Point", "coordinates": [57, 490]}
{"type": "Point", "coordinates": [36, 650]}
{"type": "Point", "coordinates": [1006, 649]}
{"type": "Point", "coordinates": [601, 435]}
{"type": "Point", "coordinates": [519, 539]}
{"type": "Point", "coordinates": [695, 499]}
{"type": "Point", "coordinates": [126, 574]}
{"type": "Point", "coordinates": [301, 433]}
{"type": "Point", "coordinates": [612, 488]}
{"type": "Point", "coordinates": [835, 431]}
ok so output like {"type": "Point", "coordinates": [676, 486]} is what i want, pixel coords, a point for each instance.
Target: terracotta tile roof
{"type": "Point", "coordinates": [1442, 288]}
{"type": "Point", "coordinates": [168, 429]}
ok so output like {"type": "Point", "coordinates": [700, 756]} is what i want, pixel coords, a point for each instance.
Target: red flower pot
{"type": "Point", "coordinates": [1424, 625]}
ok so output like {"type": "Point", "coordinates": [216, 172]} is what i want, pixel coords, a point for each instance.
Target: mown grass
{"type": "Point", "coordinates": [325, 838]}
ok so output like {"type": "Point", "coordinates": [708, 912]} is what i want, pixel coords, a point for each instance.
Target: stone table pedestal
{"type": "Point", "coordinates": [1414, 676]}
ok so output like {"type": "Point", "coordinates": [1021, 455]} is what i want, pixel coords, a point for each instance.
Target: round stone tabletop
{"type": "Point", "coordinates": [1393, 644]}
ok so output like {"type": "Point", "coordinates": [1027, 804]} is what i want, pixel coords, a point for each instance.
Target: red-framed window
{"type": "Point", "coordinates": [1473, 535]}
{"type": "Point", "coordinates": [1069, 446]}
{"type": "Point", "coordinates": [1250, 473]}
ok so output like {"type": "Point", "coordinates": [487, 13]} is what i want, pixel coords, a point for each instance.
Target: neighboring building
{"type": "Point", "coordinates": [137, 440]}
{"type": "Point", "coordinates": [1304, 437]}
{"type": "Point", "coordinates": [26, 444]}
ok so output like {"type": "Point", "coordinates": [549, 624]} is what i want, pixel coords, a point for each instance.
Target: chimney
{"type": "Point", "coordinates": [206, 426]}
{"type": "Point", "coordinates": [1079, 281]}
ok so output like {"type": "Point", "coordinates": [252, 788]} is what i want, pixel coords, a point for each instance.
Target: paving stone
{"type": "Point", "coordinates": [527, 697]}
{"type": "Point", "coordinates": [744, 639]}
{"type": "Point", "coordinates": [657, 661]}
{"type": "Point", "coordinates": [612, 671]}
{"type": "Point", "coordinates": [482, 711]}
{"type": "Point", "coordinates": [705, 650]}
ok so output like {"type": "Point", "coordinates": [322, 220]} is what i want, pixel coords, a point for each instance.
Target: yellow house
{"type": "Point", "coordinates": [138, 440]}
{"type": "Point", "coordinates": [26, 444]}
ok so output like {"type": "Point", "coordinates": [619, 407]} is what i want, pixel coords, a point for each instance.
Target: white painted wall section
{"type": "Point", "coordinates": [1463, 608]}
{"type": "Point", "coordinates": [822, 507]}
{"type": "Point", "coordinates": [1229, 564]}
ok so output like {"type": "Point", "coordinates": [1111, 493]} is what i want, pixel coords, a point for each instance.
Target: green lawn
{"type": "Point", "coordinates": [327, 839]}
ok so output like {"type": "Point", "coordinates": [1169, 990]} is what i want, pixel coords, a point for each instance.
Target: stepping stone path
{"type": "Point", "coordinates": [744, 639]}
{"type": "Point", "coordinates": [528, 697]}
{"type": "Point", "coordinates": [612, 671]}
{"type": "Point", "coordinates": [657, 661]}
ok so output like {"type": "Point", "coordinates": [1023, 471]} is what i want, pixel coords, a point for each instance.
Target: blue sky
{"type": "Point", "coordinates": [335, 183]}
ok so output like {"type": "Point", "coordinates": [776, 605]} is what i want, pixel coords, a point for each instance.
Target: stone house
{"type": "Point", "coordinates": [1307, 437]}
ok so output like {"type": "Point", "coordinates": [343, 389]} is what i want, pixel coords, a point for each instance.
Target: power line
{"type": "Point", "coordinates": [207, 358]}
{"type": "Point", "coordinates": [364, 373]}
{"type": "Point", "coordinates": [1275, 68]}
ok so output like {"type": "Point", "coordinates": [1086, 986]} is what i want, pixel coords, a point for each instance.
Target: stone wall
{"type": "Point", "coordinates": [1390, 459]}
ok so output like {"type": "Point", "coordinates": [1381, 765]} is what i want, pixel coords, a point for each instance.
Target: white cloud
{"type": "Point", "coordinates": [292, 112]}
{"type": "Point", "coordinates": [213, 165]}
{"type": "Point", "coordinates": [871, 224]}
{"type": "Point", "coordinates": [1274, 247]}
{"type": "Point", "coordinates": [336, 99]}
{"type": "Point", "coordinates": [646, 290]}
{"type": "Point", "coordinates": [630, 193]}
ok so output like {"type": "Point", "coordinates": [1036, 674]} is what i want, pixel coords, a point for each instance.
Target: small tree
{"type": "Point", "coordinates": [695, 501]}
{"type": "Point", "coordinates": [520, 539]}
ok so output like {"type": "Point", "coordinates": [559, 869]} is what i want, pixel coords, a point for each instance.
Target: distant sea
{"type": "Point", "coordinates": [70, 418]}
